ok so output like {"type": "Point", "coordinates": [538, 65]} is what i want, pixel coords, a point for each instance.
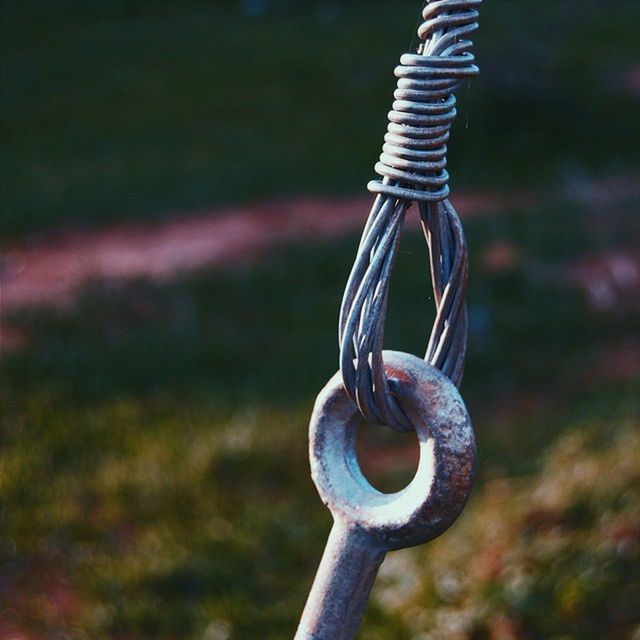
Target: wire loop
{"type": "Point", "coordinates": [412, 167]}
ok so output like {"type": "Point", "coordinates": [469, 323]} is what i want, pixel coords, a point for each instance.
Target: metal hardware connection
{"type": "Point", "coordinates": [368, 523]}
{"type": "Point", "coordinates": [412, 167]}
{"type": "Point", "coordinates": [398, 389]}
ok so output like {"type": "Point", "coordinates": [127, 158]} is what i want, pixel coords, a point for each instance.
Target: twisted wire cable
{"type": "Point", "coordinates": [412, 167]}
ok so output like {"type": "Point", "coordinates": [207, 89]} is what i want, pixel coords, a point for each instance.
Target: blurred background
{"type": "Point", "coordinates": [183, 187]}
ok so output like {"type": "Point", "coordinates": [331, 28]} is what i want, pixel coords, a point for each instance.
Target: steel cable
{"type": "Point", "coordinates": [412, 167]}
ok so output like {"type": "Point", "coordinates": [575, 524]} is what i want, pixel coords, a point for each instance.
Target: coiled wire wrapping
{"type": "Point", "coordinates": [412, 168]}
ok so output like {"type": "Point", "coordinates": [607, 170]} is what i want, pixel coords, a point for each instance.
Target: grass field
{"type": "Point", "coordinates": [154, 480]}
{"type": "Point", "coordinates": [123, 109]}
{"type": "Point", "coordinates": [146, 431]}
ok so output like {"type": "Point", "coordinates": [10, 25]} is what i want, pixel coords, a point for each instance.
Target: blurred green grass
{"type": "Point", "coordinates": [153, 472]}
{"type": "Point", "coordinates": [120, 109]}
{"type": "Point", "coordinates": [154, 450]}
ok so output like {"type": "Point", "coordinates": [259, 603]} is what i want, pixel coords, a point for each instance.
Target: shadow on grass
{"type": "Point", "coordinates": [120, 110]}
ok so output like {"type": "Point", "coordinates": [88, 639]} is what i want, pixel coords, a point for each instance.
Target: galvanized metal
{"type": "Point", "coordinates": [412, 168]}
{"type": "Point", "coordinates": [391, 388]}
{"type": "Point", "coordinates": [368, 523]}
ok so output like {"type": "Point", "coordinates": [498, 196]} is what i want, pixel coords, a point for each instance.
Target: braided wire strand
{"type": "Point", "coordinates": [412, 167]}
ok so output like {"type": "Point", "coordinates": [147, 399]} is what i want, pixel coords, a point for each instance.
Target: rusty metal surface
{"type": "Point", "coordinates": [368, 523]}
{"type": "Point", "coordinates": [413, 168]}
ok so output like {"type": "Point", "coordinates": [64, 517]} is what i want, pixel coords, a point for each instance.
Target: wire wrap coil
{"type": "Point", "coordinates": [412, 167]}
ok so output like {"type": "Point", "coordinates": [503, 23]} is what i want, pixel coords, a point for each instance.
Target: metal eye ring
{"type": "Point", "coordinates": [436, 495]}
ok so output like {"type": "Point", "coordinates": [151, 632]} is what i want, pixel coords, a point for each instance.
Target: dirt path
{"type": "Point", "coordinates": [51, 269]}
